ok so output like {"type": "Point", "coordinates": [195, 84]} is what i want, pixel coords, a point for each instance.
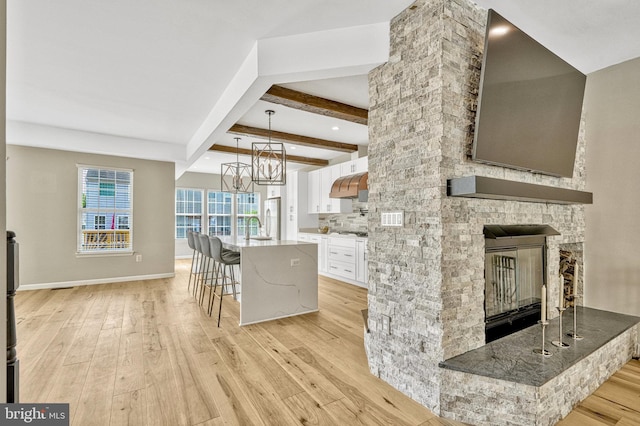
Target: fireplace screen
{"type": "Point", "coordinates": [514, 272]}
{"type": "Point", "coordinates": [513, 278]}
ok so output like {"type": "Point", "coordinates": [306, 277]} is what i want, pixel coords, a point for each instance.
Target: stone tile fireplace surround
{"type": "Point", "coordinates": [427, 277]}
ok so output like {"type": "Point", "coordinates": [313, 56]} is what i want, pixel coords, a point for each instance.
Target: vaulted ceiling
{"type": "Point", "coordinates": [169, 80]}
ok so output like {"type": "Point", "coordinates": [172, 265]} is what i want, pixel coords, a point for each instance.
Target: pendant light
{"type": "Point", "coordinates": [268, 160]}
{"type": "Point", "coordinates": [236, 177]}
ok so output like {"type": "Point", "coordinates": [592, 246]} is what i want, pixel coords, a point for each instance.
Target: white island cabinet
{"type": "Point", "coordinates": [343, 257]}
{"type": "Point", "coordinates": [278, 278]}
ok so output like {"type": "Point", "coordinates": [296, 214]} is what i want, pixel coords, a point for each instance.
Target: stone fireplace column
{"type": "Point", "coordinates": [426, 289]}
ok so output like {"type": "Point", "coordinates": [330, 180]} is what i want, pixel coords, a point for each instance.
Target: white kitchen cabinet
{"type": "Point", "coordinates": [321, 241]}
{"type": "Point", "coordinates": [295, 208]}
{"type": "Point", "coordinates": [342, 257]}
{"type": "Point", "coordinates": [313, 191]}
{"type": "Point", "coordinates": [328, 175]}
{"type": "Point", "coordinates": [326, 181]}
{"type": "Point", "coordinates": [319, 187]}
{"type": "Point", "coordinates": [360, 165]}
{"type": "Point", "coordinates": [274, 191]}
{"type": "Point", "coordinates": [362, 270]}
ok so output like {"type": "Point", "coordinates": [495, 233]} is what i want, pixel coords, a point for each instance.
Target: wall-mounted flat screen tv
{"type": "Point", "coordinates": [529, 105]}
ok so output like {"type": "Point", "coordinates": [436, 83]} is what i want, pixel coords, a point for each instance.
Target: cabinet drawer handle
{"type": "Point", "coordinates": [333, 267]}
{"type": "Point", "coordinates": [348, 270]}
{"type": "Point", "coordinates": [348, 255]}
{"type": "Point", "coordinates": [333, 252]}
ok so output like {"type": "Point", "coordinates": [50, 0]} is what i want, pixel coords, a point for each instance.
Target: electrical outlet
{"type": "Point", "coordinates": [386, 324]}
{"type": "Point", "coordinates": [295, 262]}
{"type": "Point", "coordinates": [138, 258]}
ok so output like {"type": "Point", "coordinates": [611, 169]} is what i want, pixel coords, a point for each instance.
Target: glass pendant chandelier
{"type": "Point", "coordinates": [268, 160]}
{"type": "Point", "coordinates": [236, 177]}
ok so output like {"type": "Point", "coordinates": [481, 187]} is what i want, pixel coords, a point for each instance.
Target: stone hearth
{"type": "Point", "coordinates": [532, 389]}
{"type": "Point", "coordinates": [427, 277]}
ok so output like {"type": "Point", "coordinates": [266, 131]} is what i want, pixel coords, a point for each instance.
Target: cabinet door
{"type": "Point", "coordinates": [347, 168]}
{"type": "Point", "coordinates": [333, 205]}
{"type": "Point", "coordinates": [361, 267]}
{"type": "Point", "coordinates": [322, 251]}
{"type": "Point", "coordinates": [326, 181]}
{"type": "Point", "coordinates": [292, 193]}
{"type": "Point", "coordinates": [323, 248]}
{"type": "Point", "coordinates": [361, 165]}
{"type": "Point", "coordinates": [274, 191]}
{"type": "Point", "coordinates": [313, 191]}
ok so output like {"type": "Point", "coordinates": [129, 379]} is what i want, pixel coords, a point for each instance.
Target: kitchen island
{"type": "Point", "coordinates": [278, 278]}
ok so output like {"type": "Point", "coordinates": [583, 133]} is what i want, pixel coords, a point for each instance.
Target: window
{"type": "Point", "coordinates": [248, 205]}
{"type": "Point", "coordinates": [188, 211]}
{"type": "Point", "coordinates": [220, 212]}
{"type": "Point", "coordinates": [219, 209]}
{"type": "Point", "coordinates": [104, 210]}
{"type": "Point", "coordinates": [99, 222]}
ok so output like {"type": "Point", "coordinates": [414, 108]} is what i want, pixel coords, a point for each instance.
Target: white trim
{"type": "Point", "coordinates": [104, 253]}
{"type": "Point", "coordinates": [185, 256]}
{"type": "Point", "coordinates": [89, 166]}
{"type": "Point", "coordinates": [64, 284]}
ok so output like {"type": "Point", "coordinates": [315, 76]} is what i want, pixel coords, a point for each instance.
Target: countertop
{"type": "Point", "coordinates": [511, 358]}
{"type": "Point", "coordinates": [235, 243]}
{"type": "Point", "coordinates": [332, 233]}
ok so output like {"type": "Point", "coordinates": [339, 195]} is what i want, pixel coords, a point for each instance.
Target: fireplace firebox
{"type": "Point", "coordinates": [514, 272]}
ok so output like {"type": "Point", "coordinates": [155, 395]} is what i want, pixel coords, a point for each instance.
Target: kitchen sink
{"type": "Point", "coordinates": [261, 238]}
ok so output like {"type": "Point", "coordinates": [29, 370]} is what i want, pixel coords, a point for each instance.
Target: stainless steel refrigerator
{"type": "Point", "coordinates": [272, 218]}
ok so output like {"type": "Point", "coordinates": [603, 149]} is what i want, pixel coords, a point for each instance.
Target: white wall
{"type": "Point", "coordinates": [203, 181]}
{"type": "Point", "coordinates": [42, 194]}
{"type": "Point", "coordinates": [612, 246]}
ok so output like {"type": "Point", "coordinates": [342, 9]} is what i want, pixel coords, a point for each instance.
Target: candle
{"type": "Point", "coordinates": [576, 268]}
{"type": "Point", "coordinates": [561, 305]}
{"type": "Point", "coordinates": [543, 304]}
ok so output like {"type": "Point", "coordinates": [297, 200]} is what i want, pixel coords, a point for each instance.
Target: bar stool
{"type": "Point", "coordinates": [199, 262]}
{"type": "Point", "coordinates": [209, 264]}
{"type": "Point", "coordinates": [192, 246]}
{"type": "Point", "coordinates": [224, 258]}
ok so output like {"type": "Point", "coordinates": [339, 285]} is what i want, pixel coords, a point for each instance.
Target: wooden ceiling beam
{"type": "Point", "coordinates": [293, 158]}
{"type": "Point", "coordinates": [315, 104]}
{"type": "Point", "coordinates": [240, 129]}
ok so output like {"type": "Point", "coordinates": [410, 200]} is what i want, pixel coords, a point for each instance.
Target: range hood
{"type": "Point", "coordinates": [350, 186]}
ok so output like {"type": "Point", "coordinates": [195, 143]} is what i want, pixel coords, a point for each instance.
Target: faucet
{"type": "Point", "coordinates": [247, 230]}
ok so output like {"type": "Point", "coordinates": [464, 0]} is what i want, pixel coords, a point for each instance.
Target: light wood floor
{"type": "Point", "coordinates": [616, 402]}
{"type": "Point", "coordinates": [145, 353]}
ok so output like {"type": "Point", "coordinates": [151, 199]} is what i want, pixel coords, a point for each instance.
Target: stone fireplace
{"type": "Point", "coordinates": [427, 278]}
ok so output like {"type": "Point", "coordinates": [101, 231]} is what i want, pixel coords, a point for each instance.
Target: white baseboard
{"type": "Point", "coordinates": [64, 284]}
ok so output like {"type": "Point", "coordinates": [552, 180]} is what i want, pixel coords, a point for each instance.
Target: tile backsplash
{"type": "Point", "coordinates": [354, 222]}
